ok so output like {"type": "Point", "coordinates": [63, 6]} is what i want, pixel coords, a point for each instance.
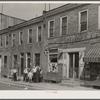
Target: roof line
{"type": "Point", "coordinates": [12, 17]}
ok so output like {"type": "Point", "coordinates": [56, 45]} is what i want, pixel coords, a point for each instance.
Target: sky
{"type": "Point", "coordinates": [26, 11]}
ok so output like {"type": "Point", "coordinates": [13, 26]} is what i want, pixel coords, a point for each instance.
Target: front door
{"type": "Point", "coordinates": [22, 63]}
{"type": "Point", "coordinates": [74, 65]}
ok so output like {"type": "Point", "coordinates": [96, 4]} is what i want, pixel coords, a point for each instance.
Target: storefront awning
{"type": "Point", "coordinates": [93, 55]}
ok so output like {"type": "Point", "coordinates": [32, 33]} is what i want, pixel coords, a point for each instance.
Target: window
{"type": "Point", "coordinates": [53, 60]}
{"type": "Point", "coordinates": [20, 38]}
{"type": "Point", "coordinates": [30, 36]}
{"type": "Point", "coordinates": [6, 40]}
{"type": "Point", "coordinates": [51, 28]}
{"type": "Point", "coordinates": [28, 60]}
{"type": "Point", "coordinates": [39, 34]}
{"type": "Point", "coordinates": [5, 61]}
{"type": "Point", "coordinates": [13, 39]}
{"type": "Point", "coordinates": [64, 25]}
{"type": "Point", "coordinates": [1, 42]}
{"type": "Point", "coordinates": [83, 25]}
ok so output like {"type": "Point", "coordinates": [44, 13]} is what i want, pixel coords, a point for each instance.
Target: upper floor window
{"type": "Point", "coordinates": [13, 39]}
{"type": "Point", "coordinates": [51, 26]}
{"type": "Point", "coordinates": [30, 36]}
{"type": "Point", "coordinates": [6, 40]}
{"type": "Point", "coordinates": [1, 44]}
{"type": "Point", "coordinates": [64, 25]}
{"type": "Point", "coordinates": [39, 32]}
{"type": "Point", "coordinates": [20, 38]}
{"type": "Point", "coordinates": [83, 21]}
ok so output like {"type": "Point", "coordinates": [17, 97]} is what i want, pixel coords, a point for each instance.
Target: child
{"type": "Point", "coordinates": [30, 75]}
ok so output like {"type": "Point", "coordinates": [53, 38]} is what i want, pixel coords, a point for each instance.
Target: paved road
{"type": "Point", "coordinates": [8, 87]}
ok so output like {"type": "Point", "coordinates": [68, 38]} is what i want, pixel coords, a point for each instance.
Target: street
{"type": "Point", "coordinates": [8, 87]}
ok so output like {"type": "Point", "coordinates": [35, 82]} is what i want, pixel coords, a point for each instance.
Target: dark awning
{"type": "Point", "coordinates": [93, 55]}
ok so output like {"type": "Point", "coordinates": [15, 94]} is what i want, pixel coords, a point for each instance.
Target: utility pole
{"type": "Point", "coordinates": [49, 6]}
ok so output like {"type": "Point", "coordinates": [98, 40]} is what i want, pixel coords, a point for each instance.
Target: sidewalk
{"type": "Point", "coordinates": [41, 86]}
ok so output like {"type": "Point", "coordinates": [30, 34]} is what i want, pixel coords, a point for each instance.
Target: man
{"type": "Point", "coordinates": [25, 74]}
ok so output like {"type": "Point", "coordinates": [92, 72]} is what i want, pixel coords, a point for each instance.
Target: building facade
{"type": "Point", "coordinates": [57, 41]}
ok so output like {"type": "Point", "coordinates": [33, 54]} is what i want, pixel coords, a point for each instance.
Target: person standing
{"type": "Point", "coordinates": [15, 74]}
{"type": "Point", "coordinates": [34, 73]}
{"type": "Point", "coordinates": [37, 74]}
{"type": "Point", "coordinates": [25, 74]}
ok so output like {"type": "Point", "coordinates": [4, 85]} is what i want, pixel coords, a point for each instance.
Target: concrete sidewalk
{"type": "Point", "coordinates": [41, 86]}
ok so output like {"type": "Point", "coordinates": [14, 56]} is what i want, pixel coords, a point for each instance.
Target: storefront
{"type": "Point", "coordinates": [92, 62]}
{"type": "Point", "coordinates": [72, 62]}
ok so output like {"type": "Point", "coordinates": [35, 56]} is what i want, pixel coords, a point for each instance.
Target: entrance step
{"type": "Point", "coordinates": [72, 83]}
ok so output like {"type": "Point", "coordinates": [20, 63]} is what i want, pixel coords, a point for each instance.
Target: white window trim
{"type": "Point", "coordinates": [5, 41]}
{"type": "Point", "coordinates": [37, 33]}
{"type": "Point", "coordinates": [49, 28]}
{"type": "Point", "coordinates": [61, 25]}
{"type": "Point", "coordinates": [28, 35]}
{"type": "Point", "coordinates": [19, 37]}
{"type": "Point", "coordinates": [79, 28]}
{"type": "Point", "coordinates": [12, 39]}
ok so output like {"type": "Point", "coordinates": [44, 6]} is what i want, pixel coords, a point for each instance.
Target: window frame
{"type": "Point", "coordinates": [52, 62]}
{"type": "Point", "coordinates": [61, 25]}
{"type": "Point", "coordinates": [28, 35]}
{"type": "Point", "coordinates": [19, 38]}
{"type": "Point", "coordinates": [49, 28]}
{"type": "Point", "coordinates": [38, 33]}
{"type": "Point", "coordinates": [79, 29]}
{"type": "Point", "coordinates": [13, 38]}
{"type": "Point", "coordinates": [6, 40]}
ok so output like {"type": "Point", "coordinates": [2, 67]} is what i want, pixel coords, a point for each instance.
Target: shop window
{"type": "Point", "coordinates": [5, 61]}
{"type": "Point", "coordinates": [83, 21]}
{"type": "Point", "coordinates": [53, 61]}
{"type": "Point", "coordinates": [64, 25]}
{"type": "Point", "coordinates": [30, 36]}
{"type": "Point", "coordinates": [39, 34]}
{"type": "Point", "coordinates": [51, 28]}
{"type": "Point", "coordinates": [20, 38]}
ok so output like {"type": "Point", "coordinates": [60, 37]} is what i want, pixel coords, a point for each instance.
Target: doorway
{"type": "Point", "coordinates": [22, 62]}
{"type": "Point", "coordinates": [37, 59]}
{"type": "Point", "coordinates": [74, 65]}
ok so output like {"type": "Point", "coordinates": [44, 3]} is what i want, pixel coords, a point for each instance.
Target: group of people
{"type": "Point", "coordinates": [33, 75]}
{"type": "Point", "coordinates": [29, 75]}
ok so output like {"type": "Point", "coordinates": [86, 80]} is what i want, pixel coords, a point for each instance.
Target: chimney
{"type": "Point", "coordinates": [44, 12]}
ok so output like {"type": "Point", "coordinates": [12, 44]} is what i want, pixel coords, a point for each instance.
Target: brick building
{"type": "Point", "coordinates": [57, 41]}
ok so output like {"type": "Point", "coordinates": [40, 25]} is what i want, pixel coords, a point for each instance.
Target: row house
{"type": "Point", "coordinates": [20, 46]}
{"type": "Point", "coordinates": [64, 42]}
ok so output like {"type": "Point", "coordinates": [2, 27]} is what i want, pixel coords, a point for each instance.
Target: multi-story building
{"type": "Point", "coordinates": [57, 41]}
